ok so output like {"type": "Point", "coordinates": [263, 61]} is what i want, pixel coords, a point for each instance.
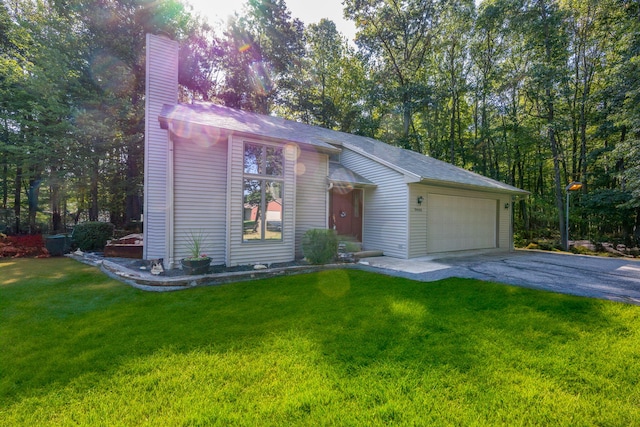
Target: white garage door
{"type": "Point", "coordinates": [460, 223]}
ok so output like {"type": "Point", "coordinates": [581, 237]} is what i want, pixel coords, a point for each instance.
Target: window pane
{"type": "Point", "coordinates": [252, 217]}
{"type": "Point", "coordinates": [273, 195]}
{"type": "Point", "coordinates": [253, 158]}
{"type": "Point", "coordinates": [274, 161]}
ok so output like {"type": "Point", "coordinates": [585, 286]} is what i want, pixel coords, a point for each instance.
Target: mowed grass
{"type": "Point", "coordinates": [341, 347]}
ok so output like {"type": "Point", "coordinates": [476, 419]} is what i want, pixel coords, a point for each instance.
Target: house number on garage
{"type": "Point", "coordinates": [417, 209]}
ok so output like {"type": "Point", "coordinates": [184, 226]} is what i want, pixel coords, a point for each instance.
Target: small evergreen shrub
{"type": "Point", "coordinates": [92, 235]}
{"type": "Point", "coordinates": [320, 246]}
{"type": "Point", "coordinates": [580, 250]}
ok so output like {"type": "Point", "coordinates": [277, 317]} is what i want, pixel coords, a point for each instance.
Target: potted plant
{"type": "Point", "coordinates": [197, 263]}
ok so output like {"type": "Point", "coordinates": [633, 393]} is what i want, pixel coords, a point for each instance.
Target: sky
{"type": "Point", "coordinates": [309, 11]}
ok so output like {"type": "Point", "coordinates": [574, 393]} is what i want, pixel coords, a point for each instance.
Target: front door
{"type": "Point", "coordinates": [346, 212]}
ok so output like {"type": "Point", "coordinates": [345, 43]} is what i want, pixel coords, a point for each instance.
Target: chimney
{"type": "Point", "coordinates": [161, 88]}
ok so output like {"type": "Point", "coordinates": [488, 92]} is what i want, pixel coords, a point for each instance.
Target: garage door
{"type": "Point", "coordinates": [460, 223]}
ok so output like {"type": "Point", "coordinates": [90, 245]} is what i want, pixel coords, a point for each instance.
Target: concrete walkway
{"type": "Point", "coordinates": [616, 279]}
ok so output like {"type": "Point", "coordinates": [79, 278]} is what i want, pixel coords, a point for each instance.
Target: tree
{"type": "Point", "coordinates": [452, 64]}
{"type": "Point", "coordinates": [397, 34]}
{"type": "Point", "coordinates": [626, 111]}
{"type": "Point", "coordinates": [262, 53]}
{"type": "Point", "coordinates": [117, 31]}
{"type": "Point", "coordinates": [542, 23]}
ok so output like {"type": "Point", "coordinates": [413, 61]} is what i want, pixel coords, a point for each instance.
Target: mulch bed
{"type": "Point", "coordinates": [22, 246]}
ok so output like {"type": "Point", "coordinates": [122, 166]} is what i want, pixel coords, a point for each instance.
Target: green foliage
{"type": "Point", "coordinates": [482, 88]}
{"type": "Point", "coordinates": [195, 241]}
{"type": "Point", "coordinates": [340, 347]}
{"type": "Point", "coordinates": [580, 250]}
{"type": "Point", "coordinates": [92, 235]}
{"type": "Point", "coordinates": [610, 211]}
{"type": "Point", "coordinates": [545, 245]}
{"type": "Point", "coordinates": [320, 246]}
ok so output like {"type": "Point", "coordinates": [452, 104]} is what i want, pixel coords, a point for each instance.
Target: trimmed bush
{"type": "Point", "coordinates": [320, 246]}
{"type": "Point", "coordinates": [92, 235]}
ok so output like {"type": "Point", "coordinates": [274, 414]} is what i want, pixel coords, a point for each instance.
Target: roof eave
{"type": "Point", "coordinates": [452, 184]}
{"type": "Point", "coordinates": [167, 122]}
{"type": "Point", "coordinates": [354, 184]}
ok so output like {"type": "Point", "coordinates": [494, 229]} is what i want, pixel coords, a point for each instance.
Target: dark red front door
{"type": "Point", "coordinates": [346, 212]}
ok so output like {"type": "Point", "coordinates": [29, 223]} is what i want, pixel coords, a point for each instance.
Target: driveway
{"type": "Point", "coordinates": [616, 279]}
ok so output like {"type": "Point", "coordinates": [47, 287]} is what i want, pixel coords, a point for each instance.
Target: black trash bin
{"type": "Point", "coordinates": [57, 245]}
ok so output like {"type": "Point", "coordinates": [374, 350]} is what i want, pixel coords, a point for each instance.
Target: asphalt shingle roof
{"type": "Point", "coordinates": [339, 174]}
{"type": "Point", "coordinates": [421, 167]}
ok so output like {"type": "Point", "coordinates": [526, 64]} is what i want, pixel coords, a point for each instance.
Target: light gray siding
{"type": "Point", "coordinates": [505, 222]}
{"type": "Point", "coordinates": [200, 194]}
{"type": "Point", "coordinates": [263, 252]}
{"type": "Point", "coordinates": [161, 88]}
{"type": "Point", "coordinates": [311, 194]}
{"type": "Point", "coordinates": [386, 216]}
{"type": "Point", "coordinates": [417, 221]}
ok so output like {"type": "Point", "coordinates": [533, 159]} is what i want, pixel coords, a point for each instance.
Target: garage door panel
{"type": "Point", "coordinates": [457, 223]}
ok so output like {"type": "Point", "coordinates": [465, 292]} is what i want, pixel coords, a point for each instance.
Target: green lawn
{"type": "Point", "coordinates": [334, 348]}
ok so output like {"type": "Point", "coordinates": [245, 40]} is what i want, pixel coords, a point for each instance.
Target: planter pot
{"type": "Point", "coordinates": [196, 266]}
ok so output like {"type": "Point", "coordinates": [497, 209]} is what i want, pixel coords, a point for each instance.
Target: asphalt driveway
{"type": "Point", "coordinates": [616, 279]}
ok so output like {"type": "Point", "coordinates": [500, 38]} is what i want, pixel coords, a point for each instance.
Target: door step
{"type": "Point", "coordinates": [367, 254]}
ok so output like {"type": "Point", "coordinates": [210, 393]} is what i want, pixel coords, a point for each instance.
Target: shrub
{"type": "Point", "coordinates": [319, 246]}
{"type": "Point", "coordinates": [580, 250]}
{"type": "Point", "coordinates": [92, 235]}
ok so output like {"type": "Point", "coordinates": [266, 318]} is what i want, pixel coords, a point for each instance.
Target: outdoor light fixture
{"type": "Point", "coordinates": [574, 186]}
{"type": "Point", "coordinates": [506, 205]}
{"type": "Point", "coordinates": [420, 200]}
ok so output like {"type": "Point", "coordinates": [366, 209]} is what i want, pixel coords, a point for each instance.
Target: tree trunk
{"type": "Point", "coordinates": [406, 116]}
{"type": "Point", "coordinates": [93, 191]}
{"type": "Point", "coordinates": [17, 196]}
{"type": "Point", "coordinates": [132, 200]}
{"type": "Point", "coordinates": [557, 180]}
{"type": "Point", "coordinates": [54, 188]}
{"type": "Point", "coordinates": [636, 228]}
{"type": "Point", "coordinates": [452, 132]}
{"type": "Point", "coordinates": [5, 167]}
{"type": "Point", "coordinates": [5, 180]}
{"type": "Point", "coordinates": [33, 195]}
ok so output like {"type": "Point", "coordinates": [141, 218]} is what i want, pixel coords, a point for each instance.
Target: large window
{"type": "Point", "coordinates": [263, 187]}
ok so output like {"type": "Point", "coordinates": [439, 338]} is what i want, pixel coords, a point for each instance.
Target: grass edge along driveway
{"type": "Point", "coordinates": [339, 347]}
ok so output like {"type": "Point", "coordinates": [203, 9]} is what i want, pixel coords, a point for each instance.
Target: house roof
{"type": "Point", "coordinates": [243, 122]}
{"type": "Point", "coordinates": [421, 168]}
{"type": "Point", "coordinates": [415, 166]}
